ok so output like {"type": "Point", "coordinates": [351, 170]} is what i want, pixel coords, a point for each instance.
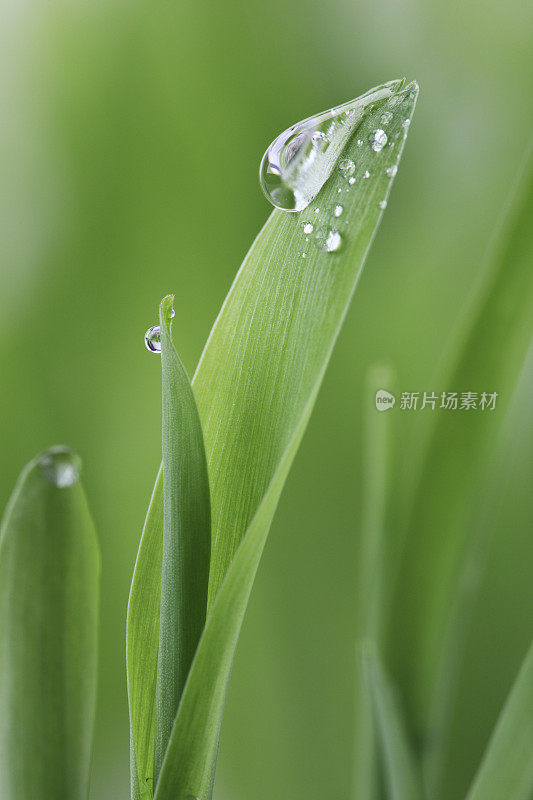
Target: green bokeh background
{"type": "Point", "coordinates": [129, 148]}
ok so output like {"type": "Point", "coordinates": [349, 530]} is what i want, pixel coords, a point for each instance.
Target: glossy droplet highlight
{"type": "Point", "coordinates": [301, 159]}
{"type": "Point", "coordinates": [329, 240]}
{"type": "Point", "coordinates": [152, 339]}
{"type": "Point", "coordinates": [382, 204]}
{"type": "Point", "coordinates": [378, 140]}
{"type": "Point", "coordinates": [351, 181]}
{"type": "Point", "coordinates": [391, 171]}
{"type": "Point", "coordinates": [308, 227]}
{"type": "Point", "coordinates": [338, 210]}
{"type": "Point", "coordinates": [61, 466]}
{"type": "Point", "coordinates": [367, 174]}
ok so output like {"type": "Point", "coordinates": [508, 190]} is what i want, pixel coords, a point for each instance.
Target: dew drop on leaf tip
{"type": "Point", "coordinates": [60, 466]}
{"type": "Point", "coordinates": [300, 160]}
{"type": "Point", "coordinates": [152, 339]}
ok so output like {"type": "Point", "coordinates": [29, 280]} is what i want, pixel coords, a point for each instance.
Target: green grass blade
{"type": "Point", "coordinates": [488, 356]}
{"type": "Point", "coordinates": [402, 776]}
{"type": "Point", "coordinates": [507, 767]}
{"type": "Point", "coordinates": [168, 600]}
{"type": "Point", "coordinates": [49, 577]}
{"type": "Point", "coordinates": [186, 537]}
{"type": "Point", "coordinates": [189, 766]}
{"type": "Point", "coordinates": [255, 387]}
{"type": "Point", "coordinates": [272, 341]}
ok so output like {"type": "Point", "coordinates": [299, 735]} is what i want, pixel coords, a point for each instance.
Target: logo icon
{"type": "Point", "coordinates": [384, 400]}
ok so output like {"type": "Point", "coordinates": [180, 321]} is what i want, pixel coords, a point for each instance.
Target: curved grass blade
{"type": "Point", "coordinates": [403, 780]}
{"type": "Point", "coordinates": [274, 336]}
{"type": "Point", "coordinates": [49, 576]}
{"type": "Point", "coordinates": [255, 387]}
{"type": "Point", "coordinates": [168, 599]}
{"type": "Point", "coordinates": [506, 770]}
{"type": "Point", "coordinates": [488, 357]}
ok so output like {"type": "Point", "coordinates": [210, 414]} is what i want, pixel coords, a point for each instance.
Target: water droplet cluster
{"type": "Point", "coordinates": [327, 230]}
{"type": "Point", "coordinates": [301, 159]}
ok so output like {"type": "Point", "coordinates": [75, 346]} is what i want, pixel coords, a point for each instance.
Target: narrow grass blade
{"type": "Point", "coordinates": [255, 387]}
{"type": "Point", "coordinates": [186, 537]}
{"type": "Point", "coordinates": [49, 576]}
{"type": "Point", "coordinates": [168, 600]}
{"type": "Point", "coordinates": [507, 767]}
{"type": "Point", "coordinates": [402, 776]}
{"type": "Point", "coordinates": [372, 571]}
{"type": "Point", "coordinates": [487, 357]}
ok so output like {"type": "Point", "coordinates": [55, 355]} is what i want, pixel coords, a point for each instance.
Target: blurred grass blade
{"type": "Point", "coordinates": [186, 537]}
{"type": "Point", "coordinates": [403, 779]}
{"type": "Point", "coordinates": [142, 647]}
{"type": "Point", "coordinates": [488, 356]}
{"type": "Point", "coordinates": [371, 571]}
{"type": "Point", "coordinates": [507, 767]}
{"type": "Point", "coordinates": [168, 600]}
{"type": "Point", "coordinates": [255, 387]}
{"type": "Point", "coordinates": [49, 575]}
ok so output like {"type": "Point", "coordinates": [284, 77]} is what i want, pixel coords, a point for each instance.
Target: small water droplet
{"type": "Point", "coordinates": [359, 142]}
{"type": "Point", "coordinates": [378, 140]}
{"type": "Point", "coordinates": [382, 204]}
{"type": "Point", "coordinates": [329, 240]}
{"type": "Point", "coordinates": [386, 117]}
{"type": "Point", "coordinates": [308, 227]}
{"type": "Point", "coordinates": [338, 210]}
{"type": "Point", "coordinates": [351, 181]}
{"type": "Point", "coordinates": [391, 171]}
{"type": "Point", "coordinates": [406, 123]}
{"type": "Point", "coordinates": [346, 166]}
{"type": "Point", "coordinates": [304, 255]}
{"type": "Point", "coordinates": [61, 466]}
{"type": "Point", "coordinates": [317, 211]}
{"type": "Point", "coordinates": [367, 174]}
{"type": "Point", "coordinates": [152, 339]}
{"type": "Point", "coordinates": [339, 191]}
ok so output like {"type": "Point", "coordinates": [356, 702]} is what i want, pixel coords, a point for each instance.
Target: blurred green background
{"type": "Point", "coordinates": [130, 142]}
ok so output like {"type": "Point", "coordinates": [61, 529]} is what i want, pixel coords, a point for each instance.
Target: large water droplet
{"type": "Point", "coordinates": [301, 159]}
{"type": "Point", "coordinates": [329, 239]}
{"type": "Point", "coordinates": [61, 466]}
{"type": "Point", "coordinates": [152, 339]}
